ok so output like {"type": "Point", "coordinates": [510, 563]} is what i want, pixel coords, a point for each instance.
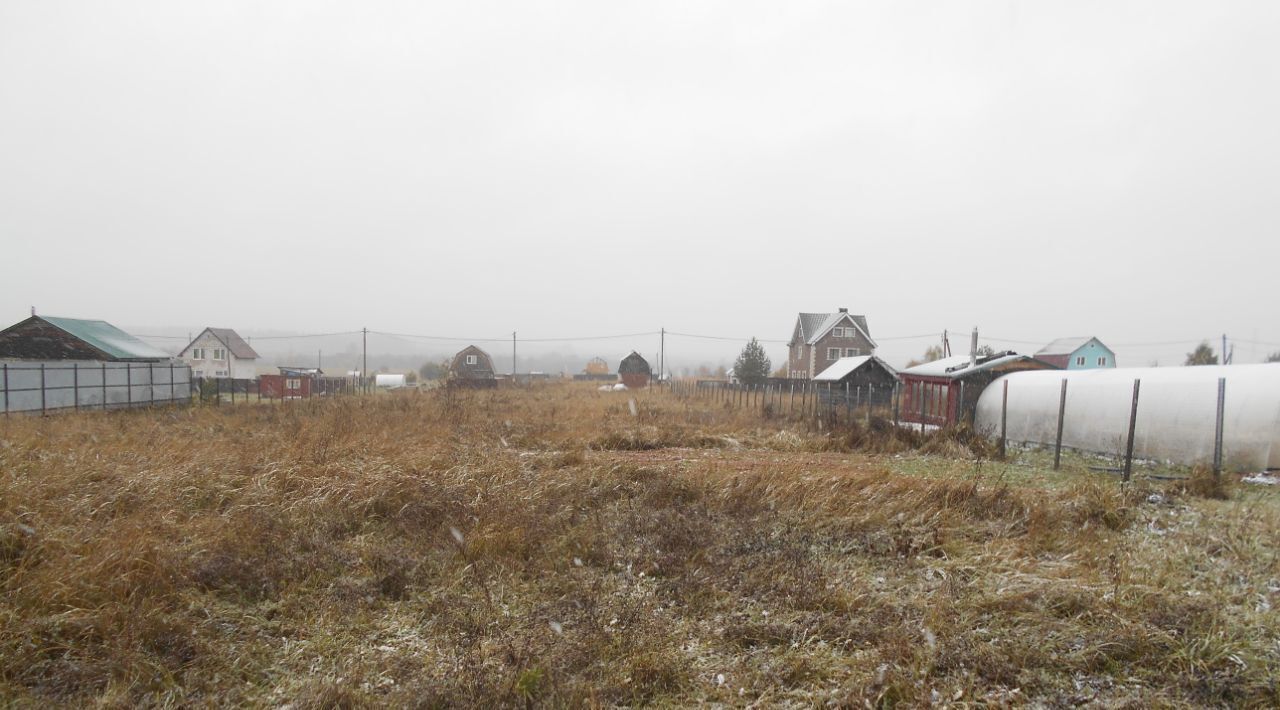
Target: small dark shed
{"type": "Point", "coordinates": [472, 367]}
{"type": "Point", "coordinates": [634, 371]}
{"type": "Point", "coordinates": [866, 378]}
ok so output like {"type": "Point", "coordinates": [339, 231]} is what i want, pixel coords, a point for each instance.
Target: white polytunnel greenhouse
{"type": "Point", "coordinates": [1177, 412]}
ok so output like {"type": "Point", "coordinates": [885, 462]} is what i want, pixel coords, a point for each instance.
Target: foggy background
{"type": "Point", "coordinates": [577, 169]}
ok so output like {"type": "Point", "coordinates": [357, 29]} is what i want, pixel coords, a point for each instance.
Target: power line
{"type": "Point", "coordinates": [523, 340]}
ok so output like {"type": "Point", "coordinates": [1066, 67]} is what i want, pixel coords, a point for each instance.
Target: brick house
{"type": "Point", "coordinates": [819, 339]}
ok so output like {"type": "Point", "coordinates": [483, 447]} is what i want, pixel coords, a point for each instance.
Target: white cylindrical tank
{"type": "Point", "coordinates": [389, 381]}
{"type": "Point", "coordinates": [1177, 412]}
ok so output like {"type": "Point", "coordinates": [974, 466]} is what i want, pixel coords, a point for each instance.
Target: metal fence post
{"type": "Point", "coordinates": [104, 386]}
{"type": "Point", "coordinates": [171, 398]}
{"type": "Point", "coordinates": [151, 383]}
{"type": "Point", "coordinates": [128, 383]}
{"type": "Point", "coordinates": [1133, 421]}
{"type": "Point", "coordinates": [1004, 419]}
{"type": "Point", "coordinates": [6, 388]}
{"type": "Point", "coordinates": [75, 385]}
{"type": "Point", "coordinates": [871, 400]}
{"type": "Point", "coordinates": [1217, 432]}
{"type": "Point", "coordinates": [1062, 411]}
{"type": "Point", "coordinates": [42, 407]}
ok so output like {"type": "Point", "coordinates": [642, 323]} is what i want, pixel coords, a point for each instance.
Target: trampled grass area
{"type": "Point", "coordinates": [546, 546]}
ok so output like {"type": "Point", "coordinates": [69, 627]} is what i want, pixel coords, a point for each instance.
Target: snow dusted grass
{"type": "Point", "coordinates": [546, 547]}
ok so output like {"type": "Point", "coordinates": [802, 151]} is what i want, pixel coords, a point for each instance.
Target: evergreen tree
{"type": "Point", "coordinates": [1202, 355]}
{"type": "Point", "coordinates": [752, 365]}
{"type": "Point", "coordinates": [1273, 357]}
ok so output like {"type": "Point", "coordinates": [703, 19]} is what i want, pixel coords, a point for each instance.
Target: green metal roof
{"type": "Point", "coordinates": [108, 338]}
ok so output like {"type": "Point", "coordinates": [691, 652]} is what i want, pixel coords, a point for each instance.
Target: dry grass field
{"type": "Point", "coordinates": [548, 547]}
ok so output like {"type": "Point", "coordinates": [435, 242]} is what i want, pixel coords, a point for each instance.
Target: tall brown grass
{"type": "Point", "coordinates": [548, 547]}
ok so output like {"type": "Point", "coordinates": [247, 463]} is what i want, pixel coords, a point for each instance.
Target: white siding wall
{"type": "Point", "coordinates": [231, 366]}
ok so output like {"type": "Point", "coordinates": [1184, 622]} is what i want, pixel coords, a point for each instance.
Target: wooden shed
{"type": "Point", "coordinates": [634, 371]}
{"type": "Point", "coordinates": [472, 367]}
{"type": "Point", "coordinates": [945, 392]}
{"type": "Point", "coordinates": [866, 377]}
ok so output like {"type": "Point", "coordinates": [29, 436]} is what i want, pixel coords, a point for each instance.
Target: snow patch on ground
{"type": "Point", "coordinates": [1262, 478]}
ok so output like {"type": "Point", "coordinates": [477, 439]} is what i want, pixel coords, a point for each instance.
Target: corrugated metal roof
{"type": "Point", "coordinates": [845, 365]}
{"type": "Point", "coordinates": [107, 338]}
{"type": "Point", "coordinates": [958, 365]}
{"type": "Point", "coordinates": [815, 325]}
{"type": "Point", "coordinates": [1065, 346]}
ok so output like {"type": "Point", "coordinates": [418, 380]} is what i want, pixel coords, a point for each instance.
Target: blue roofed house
{"type": "Point", "coordinates": [1081, 353]}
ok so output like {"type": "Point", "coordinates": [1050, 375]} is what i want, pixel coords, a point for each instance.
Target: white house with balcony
{"type": "Point", "coordinates": [220, 352]}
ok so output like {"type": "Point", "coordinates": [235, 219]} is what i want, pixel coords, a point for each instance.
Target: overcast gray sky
{"type": "Point", "coordinates": [1038, 169]}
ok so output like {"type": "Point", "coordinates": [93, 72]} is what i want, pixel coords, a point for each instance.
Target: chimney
{"type": "Point", "coordinates": [844, 310]}
{"type": "Point", "coordinates": [973, 348]}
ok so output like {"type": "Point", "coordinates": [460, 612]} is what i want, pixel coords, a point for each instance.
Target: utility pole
{"type": "Point", "coordinates": [662, 355]}
{"type": "Point", "coordinates": [364, 360]}
{"type": "Point", "coordinates": [1225, 360]}
{"type": "Point", "coordinates": [513, 356]}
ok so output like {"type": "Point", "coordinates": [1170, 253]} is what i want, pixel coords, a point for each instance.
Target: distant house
{"type": "Point", "coordinates": [597, 369]}
{"type": "Point", "coordinates": [945, 392]}
{"type": "Point", "coordinates": [870, 377]}
{"type": "Point", "coordinates": [53, 338]}
{"type": "Point", "coordinates": [819, 339]}
{"type": "Point", "coordinates": [596, 366]}
{"type": "Point", "coordinates": [472, 367]}
{"type": "Point", "coordinates": [220, 352]}
{"type": "Point", "coordinates": [1082, 353]}
{"type": "Point", "coordinates": [634, 371]}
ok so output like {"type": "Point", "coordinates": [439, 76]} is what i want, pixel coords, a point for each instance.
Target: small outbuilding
{"type": "Point", "coordinates": [291, 383]}
{"type": "Point", "coordinates": [945, 392]}
{"type": "Point", "coordinates": [472, 367]}
{"type": "Point", "coordinates": [634, 371]}
{"type": "Point", "coordinates": [871, 378]}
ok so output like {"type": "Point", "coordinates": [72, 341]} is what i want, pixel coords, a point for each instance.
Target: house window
{"type": "Point", "coordinates": [1080, 361]}
{"type": "Point", "coordinates": [220, 373]}
{"type": "Point", "coordinates": [1102, 362]}
{"type": "Point", "coordinates": [833, 353]}
{"type": "Point", "coordinates": [852, 352]}
{"type": "Point", "coordinates": [838, 332]}
{"type": "Point", "coordinates": [293, 384]}
{"type": "Point", "coordinates": [197, 353]}
{"type": "Point", "coordinates": [471, 359]}
{"type": "Point", "coordinates": [219, 354]}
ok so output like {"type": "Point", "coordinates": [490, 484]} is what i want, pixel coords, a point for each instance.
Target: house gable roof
{"type": "Point", "coordinates": [229, 338]}
{"type": "Point", "coordinates": [811, 327]}
{"type": "Point", "coordinates": [1066, 346]}
{"type": "Point", "coordinates": [458, 366]}
{"type": "Point", "coordinates": [841, 368]}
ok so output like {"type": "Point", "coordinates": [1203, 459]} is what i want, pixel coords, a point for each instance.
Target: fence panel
{"type": "Point", "coordinates": [58, 385]}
